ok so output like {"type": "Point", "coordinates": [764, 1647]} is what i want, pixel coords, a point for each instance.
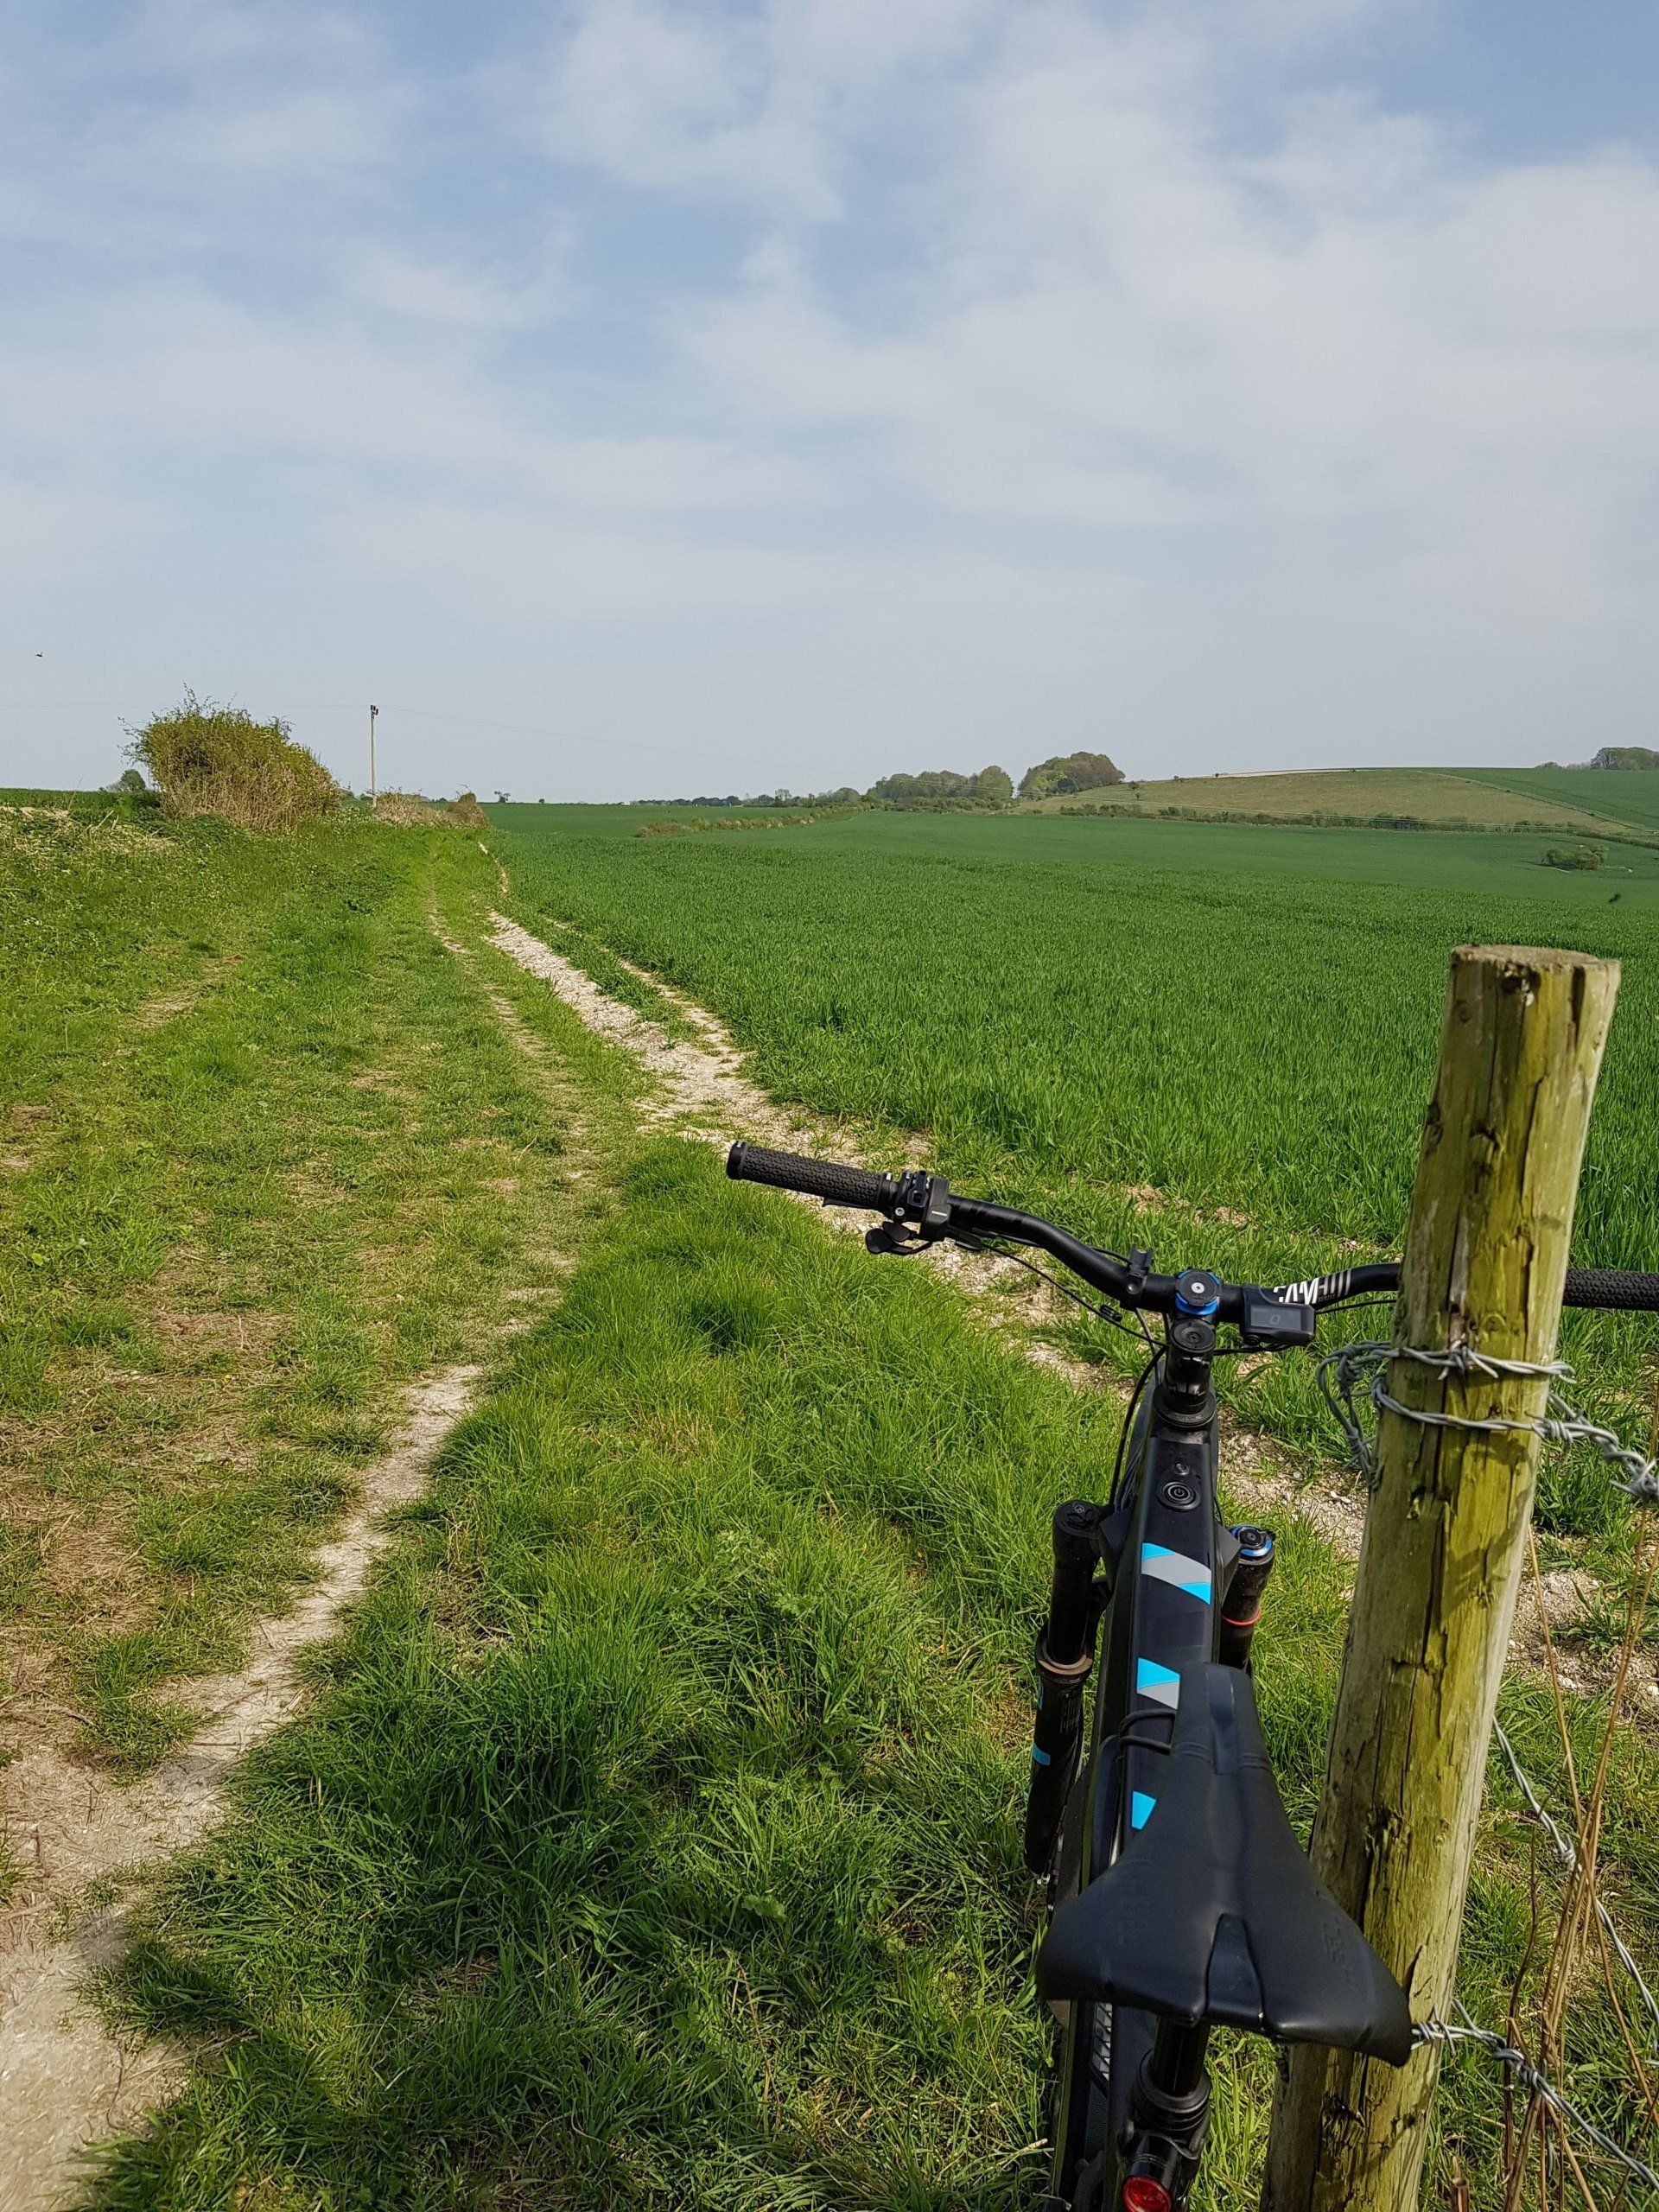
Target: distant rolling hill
{"type": "Point", "coordinates": [1496, 798]}
{"type": "Point", "coordinates": [1629, 797]}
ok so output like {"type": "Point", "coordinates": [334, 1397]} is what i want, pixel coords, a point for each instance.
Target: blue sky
{"type": "Point", "coordinates": [635, 399]}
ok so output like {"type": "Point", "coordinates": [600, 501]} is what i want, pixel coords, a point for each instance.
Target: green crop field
{"type": "Point", "coordinates": [1429, 795]}
{"type": "Point", "coordinates": [1213, 1041]}
{"type": "Point", "coordinates": [1236, 1017]}
{"type": "Point", "coordinates": [651, 1835]}
{"type": "Point", "coordinates": [1629, 797]}
{"type": "Point", "coordinates": [86, 803]}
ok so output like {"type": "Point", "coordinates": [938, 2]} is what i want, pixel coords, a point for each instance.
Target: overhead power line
{"type": "Point", "coordinates": [291, 706]}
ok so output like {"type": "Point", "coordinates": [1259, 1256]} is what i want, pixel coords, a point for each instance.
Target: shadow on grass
{"type": "Point", "coordinates": [654, 1839]}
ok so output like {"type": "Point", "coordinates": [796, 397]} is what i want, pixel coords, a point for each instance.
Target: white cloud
{"type": "Point", "coordinates": [654, 98]}
{"type": "Point", "coordinates": [1148, 332]}
{"type": "Point", "coordinates": [457, 294]}
{"type": "Point", "coordinates": [764, 105]}
{"type": "Point", "coordinates": [51, 529]}
{"type": "Point", "coordinates": [195, 128]}
{"type": "Point", "coordinates": [181, 377]}
{"type": "Point", "coordinates": [520, 560]}
{"type": "Point", "coordinates": [1121, 314]}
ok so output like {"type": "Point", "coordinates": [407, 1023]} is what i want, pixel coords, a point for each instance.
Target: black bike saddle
{"type": "Point", "coordinates": [1213, 1913]}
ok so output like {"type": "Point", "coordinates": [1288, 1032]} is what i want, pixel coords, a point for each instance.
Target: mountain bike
{"type": "Point", "coordinates": [1177, 1898]}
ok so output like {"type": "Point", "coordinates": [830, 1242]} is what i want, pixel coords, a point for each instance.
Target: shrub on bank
{"type": "Point", "coordinates": [205, 758]}
{"type": "Point", "coordinates": [409, 810]}
{"type": "Point", "coordinates": [132, 794]}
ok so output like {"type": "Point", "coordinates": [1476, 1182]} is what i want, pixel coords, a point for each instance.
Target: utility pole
{"type": "Point", "coordinates": [373, 711]}
{"type": "Point", "coordinates": [1485, 1257]}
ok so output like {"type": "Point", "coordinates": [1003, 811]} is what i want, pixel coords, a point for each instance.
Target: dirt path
{"type": "Point", "coordinates": [706, 1094]}
{"type": "Point", "coordinates": [65, 2081]}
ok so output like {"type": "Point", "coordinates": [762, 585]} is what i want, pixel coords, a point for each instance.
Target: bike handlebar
{"type": "Point", "coordinates": [927, 1202]}
{"type": "Point", "coordinates": [817, 1178]}
{"type": "Point", "coordinates": [1612, 1290]}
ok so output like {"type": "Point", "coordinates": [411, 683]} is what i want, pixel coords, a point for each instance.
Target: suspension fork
{"type": "Point", "coordinates": [1065, 1652]}
{"type": "Point", "coordinates": [1241, 1610]}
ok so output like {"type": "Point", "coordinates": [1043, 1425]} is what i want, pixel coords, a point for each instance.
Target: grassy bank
{"type": "Point", "coordinates": [262, 1145]}
{"type": "Point", "coordinates": [654, 1841]}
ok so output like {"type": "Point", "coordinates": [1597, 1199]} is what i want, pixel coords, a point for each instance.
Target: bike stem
{"type": "Point", "coordinates": [1187, 1395]}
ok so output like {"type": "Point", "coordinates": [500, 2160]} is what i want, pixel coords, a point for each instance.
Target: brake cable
{"type": "Point", "coordinates": [1140, 1334]}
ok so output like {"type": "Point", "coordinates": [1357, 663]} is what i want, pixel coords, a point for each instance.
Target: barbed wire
{"type": "Point", "coordinates": [1567, 1852]}
{"type": "Point", "coordinates": [1359, 1369]}
{"type": "Point", "coordinates": [1463, 2029]}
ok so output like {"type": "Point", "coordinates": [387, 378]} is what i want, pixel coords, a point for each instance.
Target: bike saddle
{"type": "Point", "coordinates": [1212, 1912]}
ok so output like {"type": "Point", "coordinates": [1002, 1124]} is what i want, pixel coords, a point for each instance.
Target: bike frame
{"type": "Point", "coordinates": [1167, 1563]}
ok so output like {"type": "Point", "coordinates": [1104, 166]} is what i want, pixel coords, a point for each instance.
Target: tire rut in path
{"type": "Point", "coordinates": [66, 2081]}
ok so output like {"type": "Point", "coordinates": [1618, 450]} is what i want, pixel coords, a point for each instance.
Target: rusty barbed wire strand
{"type": "Point", "coordinates": [1360, 1368]}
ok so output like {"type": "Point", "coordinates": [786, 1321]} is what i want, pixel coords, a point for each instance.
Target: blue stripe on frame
{"type": "Point", "coordinates": [1141, 1805]}
{"type": "Point", "coordinates": [1177, 1569]}
{"type": "Point", "coordinates": [1161, 1684]}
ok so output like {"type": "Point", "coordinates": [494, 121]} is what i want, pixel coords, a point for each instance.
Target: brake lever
{"type": "Point", "coordinates": [896, 1237]}
{"type": "Point", "coordinates": [921, 1217]}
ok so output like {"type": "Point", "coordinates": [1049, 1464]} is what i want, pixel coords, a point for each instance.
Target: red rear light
{"type": "Point", "coordinates": [1142, 2194]}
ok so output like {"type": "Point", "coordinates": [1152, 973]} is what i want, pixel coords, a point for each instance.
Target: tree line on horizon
{"type": "Point", "coordinates": [1063, 774]}
{"type": "Point", "coordinates": [1626, 756]}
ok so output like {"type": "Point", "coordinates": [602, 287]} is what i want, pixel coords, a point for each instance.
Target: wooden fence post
{"type": "Point", "coordinates": [1486, 1255]}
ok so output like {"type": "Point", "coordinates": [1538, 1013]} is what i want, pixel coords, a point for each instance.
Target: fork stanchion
{"type": "Point", "coordinates": [1063, 1656]}
{"type": "Point", "coordinates": [1445, 1534]}
{"type": "Point", "coordinates": [1241, 1610]}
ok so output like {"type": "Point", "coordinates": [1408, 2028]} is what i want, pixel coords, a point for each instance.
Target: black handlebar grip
{"type": "Point", "coordinates": [1612, 1290]}
{"type": "Point", "coordinates": [816, 1178]}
